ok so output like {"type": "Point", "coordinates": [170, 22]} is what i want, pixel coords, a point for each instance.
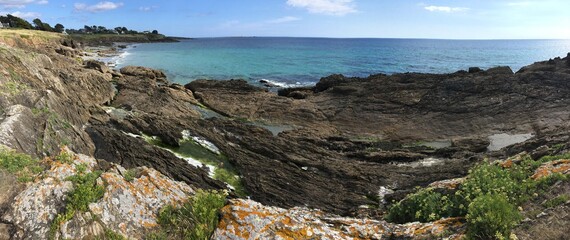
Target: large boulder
{"type": "Point", "coordinates": [97, 65]}
{"type": "Point", "coordinates": [330, 81]}
{"type": "Point", "coordinates": [500, 70]}
{"type": "Point", "coordinates": [18, 128]}
{"type": "Point", "coordinates": [143, 72]}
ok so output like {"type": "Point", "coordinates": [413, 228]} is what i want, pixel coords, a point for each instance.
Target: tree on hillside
{"type": "Point", "coordinates": [87, 29]}
{"type": "Point", "coordinates": [39, 24]}
{"type": "Point", "coordinates": [16, 22]}
{"type": "Point", "coordinates": [101, 29]}
{"type": "Point", "coordinates": [42, 25]}
{"type": "Point", "coordinates": [154, 32]}
{"type": "Point", "coordinates": [119, 30]}
{"type": "Point", "coordinates": [59, 28]}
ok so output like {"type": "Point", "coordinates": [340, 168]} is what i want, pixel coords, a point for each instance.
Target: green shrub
{"type": "Point", "coordinates": [22, 165]}
{"type": "Point", "coordinates": [487, 178]}
{"type": "Point", "coordinates": [425, 205]}
{"type": "Point", "coordinates": [111, 235]}
{"type": "Point", "coordinates": [64, 157]}
{"type": "Point", "coordinates": [491, 216]}
{"type": "Point", "coordinates": [230, 178]}
{"type": "Point", "coordinates": [85, 191]}
{"type": "Point", "coordinates": [129, 175]}
{"type": "Point", "coordinates": [549, 158]}
{"type": "Point", "coordinates": [196, 219]}
{"type": "Point", "coordinates": [490, 192]}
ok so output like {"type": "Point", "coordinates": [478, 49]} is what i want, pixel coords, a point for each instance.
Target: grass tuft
{"type": "Point", "coordinates": [23, 166]}
{"type": "Point", "coordinates": [197, 219]}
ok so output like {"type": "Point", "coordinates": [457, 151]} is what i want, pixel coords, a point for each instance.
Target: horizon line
{"type": "Point", "coordinates": [394, 38]}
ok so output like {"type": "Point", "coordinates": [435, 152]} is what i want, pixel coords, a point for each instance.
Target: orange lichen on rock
{"type": "Point", "coordinates": [246, 219]}
{"type": "Point", "coordinates": [447, 184]}
{"type": "Point", "coordinates": [506, 164]}
{"type": "Point", "coordinates": [559, 166]}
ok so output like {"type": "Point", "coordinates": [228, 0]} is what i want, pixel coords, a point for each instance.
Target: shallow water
{"type": "Point", "coordinates": [499, 141]}
{"type": "Point", "coordinates": [437, 144]}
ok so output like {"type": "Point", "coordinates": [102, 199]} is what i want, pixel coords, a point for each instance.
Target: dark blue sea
{"type": "Point", "coordinates": [303, 61]}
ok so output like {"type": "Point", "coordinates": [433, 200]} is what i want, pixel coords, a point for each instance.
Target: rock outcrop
{"type": "Point", "coordinates": [50, 93]}
{"type": "Point", "coordinates": [129, 207]}
{"type": "Point", "coordinates": [246, 219]}
{"type": "Point", "coordinates": [411, 105]}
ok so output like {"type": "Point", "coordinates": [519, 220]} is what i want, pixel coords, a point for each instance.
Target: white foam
{"type": "Point", "coordinates": [382, 192]}
{"type": "Point", "coordinates": [426, 162]}
{"type": "Point", "coordinates": [194, 162]}
{"type": "Point", "coordinates": [186, 135]}
{"type": "Point", "coordinates": [281, 84]}
{"type": "Point", "coordinates": [119, 59]}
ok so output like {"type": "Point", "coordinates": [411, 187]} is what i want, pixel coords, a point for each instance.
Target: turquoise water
{"type": "Point", "coordinates": [303, 61]}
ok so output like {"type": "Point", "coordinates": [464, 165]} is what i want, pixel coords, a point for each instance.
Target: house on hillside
{"type": "Point", "coordinates": [4, 25]}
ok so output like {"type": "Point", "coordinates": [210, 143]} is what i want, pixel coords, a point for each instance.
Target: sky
{"type": "Point", "coordinates": [441, 19]}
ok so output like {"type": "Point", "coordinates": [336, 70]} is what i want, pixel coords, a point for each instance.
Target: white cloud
{"type": "Point", "coordinates": [27, 15]}
{"type": "Point", "coordinates": [329, 7]}
{"type": "Point", "coordinates": [99, 7]}
{"type": "Point", "coordinates": [42, 2]}
{"type": "Point", "coordinates": [15, 3]}
{"type": "Point", "coordinates": [147, 8]}
{"type": "Point", "coordinates": [284, 20]}
{"type": "Point", "coordinates": [445, 9]}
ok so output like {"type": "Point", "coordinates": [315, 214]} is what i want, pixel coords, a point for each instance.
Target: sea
{"type": "Point", "coordinates": [290, 62]}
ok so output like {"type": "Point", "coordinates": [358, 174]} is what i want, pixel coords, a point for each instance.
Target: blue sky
{"type": "Point", "coordinates": [449, 19]}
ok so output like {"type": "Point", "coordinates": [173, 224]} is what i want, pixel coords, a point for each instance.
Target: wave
{"type": "Point", "coordinates": [278, 84]}
{"type": "Point", "coordinates": [120, 58]}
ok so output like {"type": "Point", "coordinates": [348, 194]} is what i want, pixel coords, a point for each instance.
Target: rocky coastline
{"type": "Point", "coordinates": [321, 162]}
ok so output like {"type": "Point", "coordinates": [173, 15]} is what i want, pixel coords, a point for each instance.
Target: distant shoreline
{"type": "Point", "coordinates": [95, 40]}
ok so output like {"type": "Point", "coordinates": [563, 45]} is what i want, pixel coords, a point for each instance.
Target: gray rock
{"type": "Point", "coordinates": [474, 70]}
{"type": "Point", "coordinates": [97, 65]}
{"type": "Point", "coordinates": [500, 70]}
{"type": "Point", "coordinates": [9, 187]}
{"type": "Point", "coordinates": [18, 128]}
{"type": "Point", "coordinates": [143, 72]}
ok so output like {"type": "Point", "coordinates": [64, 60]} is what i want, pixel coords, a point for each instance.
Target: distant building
{"type": "Point", "coordinates": [4, 25]}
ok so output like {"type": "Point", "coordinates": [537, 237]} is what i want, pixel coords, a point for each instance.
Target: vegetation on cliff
{"type": "Point", "coordinates": [22, 165]}
{"type": "Point", "coordinates": [197, 219]}
{"type": "Point", "coordinates": [489, 198]}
